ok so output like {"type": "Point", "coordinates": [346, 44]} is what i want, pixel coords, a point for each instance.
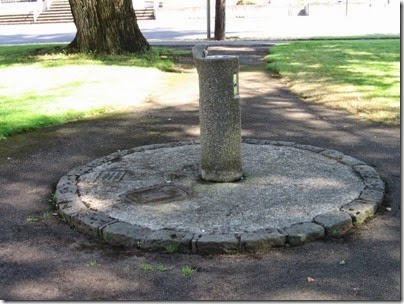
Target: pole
{"type": "Point", "coordinates": [208, 18]}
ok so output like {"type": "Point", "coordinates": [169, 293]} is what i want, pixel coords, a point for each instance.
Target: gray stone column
{"type": "Point", "coordinates": [219, 114]}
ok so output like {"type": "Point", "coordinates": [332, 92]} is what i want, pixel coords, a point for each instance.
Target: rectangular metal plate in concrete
{"type": "Point", "coordinates": [111, 176]}
{"type": "Point", "coordinates": [157, 194]}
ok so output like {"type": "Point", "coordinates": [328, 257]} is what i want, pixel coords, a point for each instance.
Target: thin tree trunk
{"type": "Point", "coordinates": [106, 26]}
{"type": "Point", "coordinates": [220, 20]}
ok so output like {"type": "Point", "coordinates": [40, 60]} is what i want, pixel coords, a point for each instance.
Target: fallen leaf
{"type": "Point", "coordinates": [310, 280]}
{"type": "Point", "coordinates": [342, 262]}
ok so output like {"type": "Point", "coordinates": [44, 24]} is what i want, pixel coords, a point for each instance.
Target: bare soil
{"type": "Point", "coordinates": [46, 260]}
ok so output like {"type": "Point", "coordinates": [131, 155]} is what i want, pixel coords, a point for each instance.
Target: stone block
{"type": "Point", "coordinates": [217, 243]}
{"type": "Point", "coordinates": [69, 209]}
{"type": "Point", "coordinates": [335, 223]}
{"type": "Point", "coordinates": [262, 240]}
{"type": "Point", "coordinates": [374, 182]}
{"type": "Point", "coordinates": [80, 170]}
{"type": "Point", "coordinates": [366, 171]}
{"type": "Point", "coordinates": [168, 241]}
{"type": "Point", "coordinates": [251, 141]}
{"type": "Point", "coordinates": [124, 234]}
{"type": "Point", "coordinates": [372, 196]}
{"type": "Point", "coordinates": [66, 188]}
{"type": "Point", "coordinates": [282, 143]}
{"type": "Point", "coordinates": [351, 161]}
{"type": "Point", "coordinates": [302, 233]}
{"type": "Point", "coordinates": [360, 211]}
{"type": "Point", "coordinates": [333, 154]}
{"type": "Point", "coordinates": [91, 222]}
{"type": "Point", "coordinates": [309, 148]}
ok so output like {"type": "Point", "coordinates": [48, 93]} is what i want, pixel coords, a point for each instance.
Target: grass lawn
{"type": "Point", "coordinates": [44, 85]}
{"type": "Point", "coordinates": [359, 76]}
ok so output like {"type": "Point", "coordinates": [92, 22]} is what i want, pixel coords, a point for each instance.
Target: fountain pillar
{"type": "Point", "coordinates": [219, 112]}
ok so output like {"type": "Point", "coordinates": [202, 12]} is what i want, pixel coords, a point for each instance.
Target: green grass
{"type": "Point", "coordinates": [359, 76]}
{"type": "Point", "coordinates": [58, 55]}
{"type": "Point", "coordinates": [146, 267]}
{"type": "Point", "coordinates": [172, 248]}
{"type": "Point", "coordinates": [93, 263]}
{"type": "Point", "coordinates": [31, 219]}
{"type": "Point", "coordinates": [187, 271]}
{"type": "Point", "coordinates": [42, 85]}
{"type": "Point", "coordinates": [353, 37]}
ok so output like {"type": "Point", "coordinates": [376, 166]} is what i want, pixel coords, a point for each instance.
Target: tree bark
{"type": "Point", "coordinates": [220, 19]}
{"type": "Point", "coordinates": [106, 26]}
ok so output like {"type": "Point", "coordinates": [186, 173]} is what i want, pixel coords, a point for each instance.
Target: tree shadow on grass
{"type": "Point", "coordinates": [60, 55]}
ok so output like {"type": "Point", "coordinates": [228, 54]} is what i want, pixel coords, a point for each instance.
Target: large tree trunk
{"type": "Point", "coordinates": [106, 26]}
{"type": "Point", "coordinates": [220, 19]}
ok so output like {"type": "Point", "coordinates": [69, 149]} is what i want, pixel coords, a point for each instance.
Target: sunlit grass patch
{"type": "Point", "coordinates": [45, 85]}
{"type": "Point", "coordinates": [59, 55]}
{"type": "Point", "coordinates": [32, 96]}
{"type": "Point", "coordinates": [359, 76]}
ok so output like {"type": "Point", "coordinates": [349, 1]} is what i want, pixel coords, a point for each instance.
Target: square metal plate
{"type": "Point", "coordinates": [111, 176]}
{"type": "Point", "coordinates": [157, 194]}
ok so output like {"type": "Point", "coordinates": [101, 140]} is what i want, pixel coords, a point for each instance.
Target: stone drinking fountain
{"type": "Point", "coordinates": [222, 194]}
{"type": "Point", "coordinates": [219, 114]}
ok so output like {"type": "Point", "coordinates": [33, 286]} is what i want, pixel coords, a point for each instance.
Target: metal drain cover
{"type": "Point", "coordinates": [157, 194]}
{"type": "Point", "coordinates": [111, 176]}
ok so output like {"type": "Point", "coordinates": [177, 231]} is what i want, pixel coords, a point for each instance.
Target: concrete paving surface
{"type": "Point", "coordinates": [282, 186]}
{"type": "Point", "coordinates": [155, 194]}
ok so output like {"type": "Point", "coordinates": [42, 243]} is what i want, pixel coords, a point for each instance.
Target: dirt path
{"type": "Point", "coordinates": [46, 260]}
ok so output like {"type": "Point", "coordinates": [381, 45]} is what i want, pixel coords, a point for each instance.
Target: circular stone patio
{"type": "Point", "coordinates": [152, 198]}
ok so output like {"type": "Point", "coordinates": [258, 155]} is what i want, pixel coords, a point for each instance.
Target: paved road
{"type": "Point", "coordinates": [177, 28]}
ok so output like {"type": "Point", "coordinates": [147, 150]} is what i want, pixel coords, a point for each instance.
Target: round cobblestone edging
{"type": "Point", "coordinates": [81, 217]}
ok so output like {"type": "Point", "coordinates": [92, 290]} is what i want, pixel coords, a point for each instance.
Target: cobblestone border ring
{"type": "Point", "coordinates": [85, 219]}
